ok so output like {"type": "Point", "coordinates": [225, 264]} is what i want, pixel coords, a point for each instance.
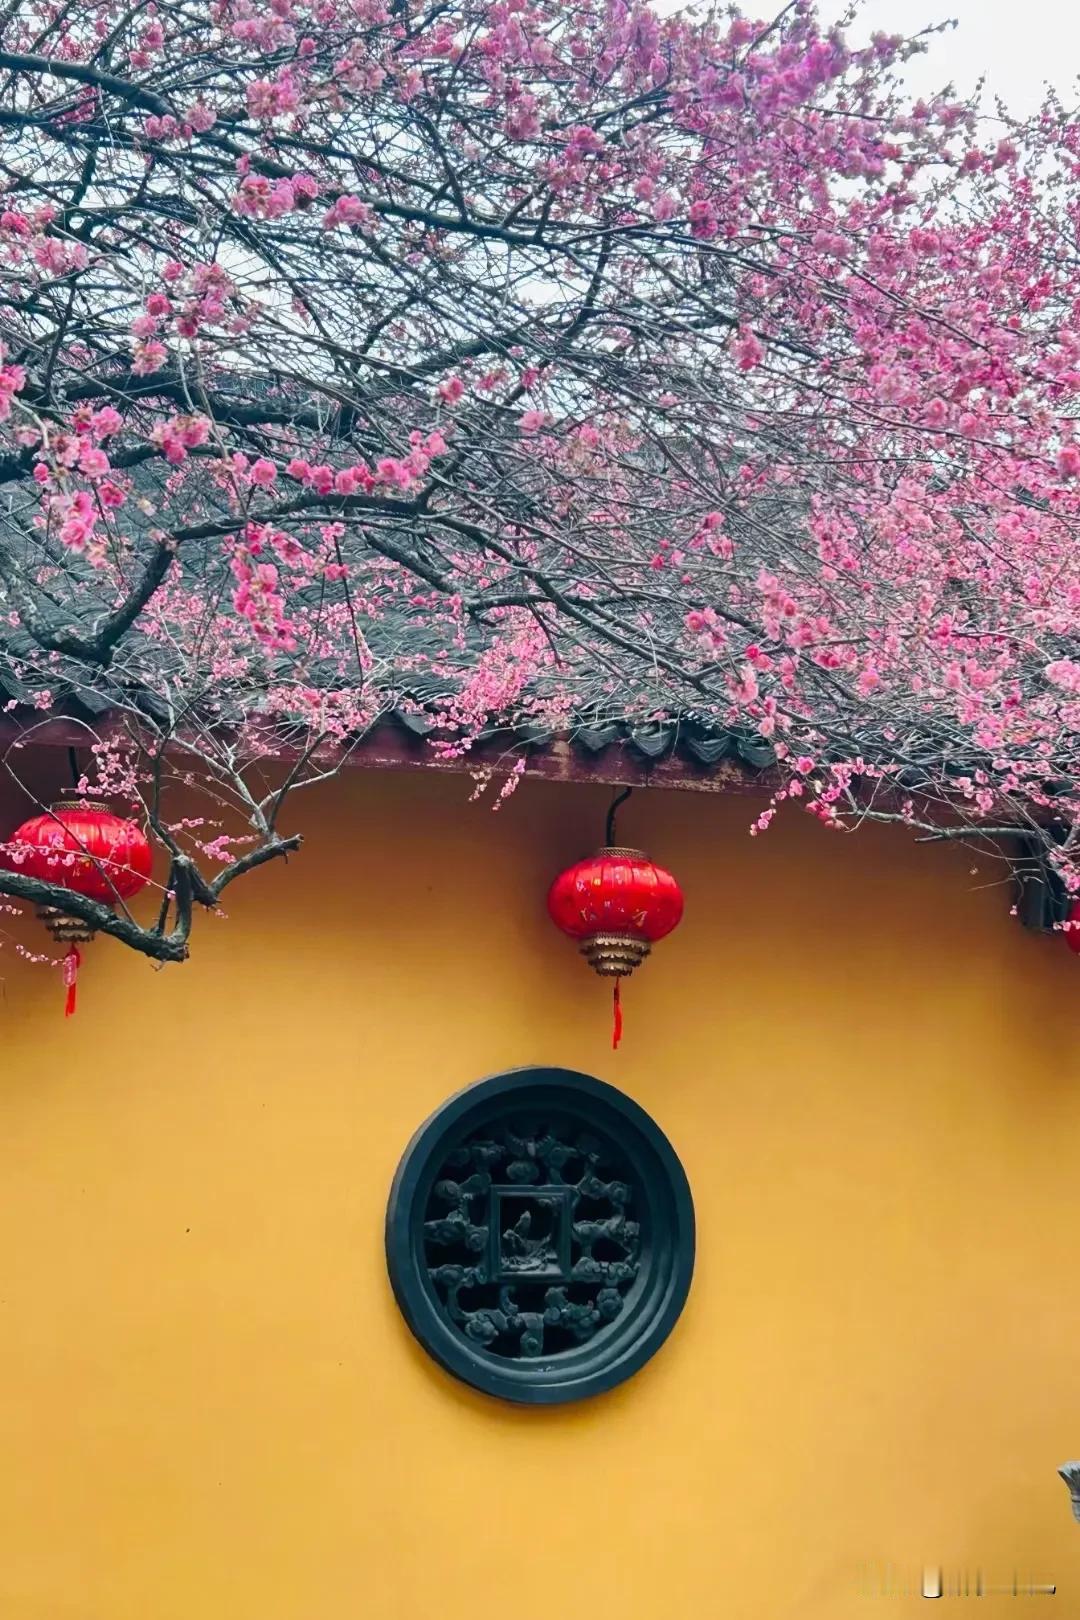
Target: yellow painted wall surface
{"type": "Point", "coordinates": [209, 1406]}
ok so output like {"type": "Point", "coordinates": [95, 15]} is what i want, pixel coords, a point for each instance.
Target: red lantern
{"type": "Point", "coordinates": [1072, 935]}
{"type": "Point", "coordinates": [84, 847]}
{"type": "Point", "coordinates": [618, 903]}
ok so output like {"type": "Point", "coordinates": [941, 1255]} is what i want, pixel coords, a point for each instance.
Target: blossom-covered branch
{"type": "Point", "coordinates": [531, 363]}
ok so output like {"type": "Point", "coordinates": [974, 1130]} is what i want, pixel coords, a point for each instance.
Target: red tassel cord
{"type": "Point", "coordinates": [71, 964]}
{"type": "Point", "coordinates": [616, 1022]}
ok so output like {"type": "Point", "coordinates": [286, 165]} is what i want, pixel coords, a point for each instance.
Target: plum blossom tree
{"type": "Point", "coordinates": [547, 358]}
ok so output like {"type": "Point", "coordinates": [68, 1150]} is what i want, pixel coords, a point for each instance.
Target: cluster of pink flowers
{"type": "Point", "coordinates": [179, 434]}
{"type": "Point", "coordinates": [260, 198]}
{"type": "Point", "coordinates": [356, 479]}
{"type": "Point", "coordinates": [30, 244]}
{"type": "Point", "coordinates": [258, 597]}
{"type": "Point", "coordinates": [148, 357]}
{"type": "Point", "coordinates": [495, 687]}
{"type": "Point", "coordinates": [349, 210]}
{"type": "Point", "coordinates": [12, 379]}
{"type": "Point", "coordinates": [272, 98]}
{"type": "Point", "coordinates": [76, 518]}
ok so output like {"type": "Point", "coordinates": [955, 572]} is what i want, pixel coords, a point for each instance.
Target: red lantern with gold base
{"type": "Point", "coordinates": [617, 904]}
{"type": "Point", "coordinates": [83, 846]}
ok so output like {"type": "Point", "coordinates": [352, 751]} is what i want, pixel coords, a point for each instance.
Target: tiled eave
{"type": "Point", "coordinates": [661, 756]}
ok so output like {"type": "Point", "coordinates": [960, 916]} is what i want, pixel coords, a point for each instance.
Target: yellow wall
{"type": "Point", "coordinates": [209, 1406]}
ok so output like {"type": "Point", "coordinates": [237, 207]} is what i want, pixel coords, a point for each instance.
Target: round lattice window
{"type": "Point", "coordinates": [540, 1236]}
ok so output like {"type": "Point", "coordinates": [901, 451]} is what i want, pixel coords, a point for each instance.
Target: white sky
{"type": "Point", "coordinates": [1018, 44]}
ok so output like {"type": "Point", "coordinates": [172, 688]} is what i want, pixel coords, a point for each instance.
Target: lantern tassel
{"type": "Point", "coordinates": [71, 965]}
{"type": "Point", "coordinates": [616, 1021]}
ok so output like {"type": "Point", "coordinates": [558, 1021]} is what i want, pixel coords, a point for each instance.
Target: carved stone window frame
{"type": "Point", "coordinates": [664, 1260]}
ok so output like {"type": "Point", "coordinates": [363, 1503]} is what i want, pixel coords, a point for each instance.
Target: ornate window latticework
{"type": "Point", "coordinates": [540, 1236]}
{"type": "Point", "coordinates": [534, 1248]}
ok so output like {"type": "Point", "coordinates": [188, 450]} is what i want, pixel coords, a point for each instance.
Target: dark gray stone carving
{"type": "Point", "coordinates": [540, 1235]}
{"type": "Point", "coordinates": [529, 1235]}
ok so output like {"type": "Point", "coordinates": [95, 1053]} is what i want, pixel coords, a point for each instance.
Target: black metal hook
{"type": "Point", "coordinates": [609, 831]}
